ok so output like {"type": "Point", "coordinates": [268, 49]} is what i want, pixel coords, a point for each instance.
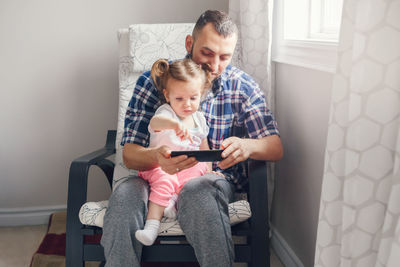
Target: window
{"type": "Point", "coordinates": [306, 32]}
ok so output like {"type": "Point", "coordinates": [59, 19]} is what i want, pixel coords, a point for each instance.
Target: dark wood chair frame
{"type": "Point", "coordinates": [255, 252]}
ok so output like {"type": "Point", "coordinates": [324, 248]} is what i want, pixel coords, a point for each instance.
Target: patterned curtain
{"type": "Point", "coordinates": [253, 52]}
{"type": "Point", "coordinates": [360, 201]}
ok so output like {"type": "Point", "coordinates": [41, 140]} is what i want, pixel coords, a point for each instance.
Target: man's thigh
{"type": "Point", "coordinates": [207, 186]}
{"type": "Point", "coordinates": [133, 190]}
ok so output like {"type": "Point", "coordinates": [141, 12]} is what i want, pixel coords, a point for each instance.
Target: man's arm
{"type": "Point", "coordinates": [238, 149]}
{"type": "Point", "coordinates": [140, 158]}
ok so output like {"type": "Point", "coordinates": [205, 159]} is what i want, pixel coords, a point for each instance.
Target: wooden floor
{"type": "Point", "coordinates": [18, 244]}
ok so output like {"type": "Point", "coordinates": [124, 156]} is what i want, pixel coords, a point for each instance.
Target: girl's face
{"type": "Point", "coordinates": [184, 97]}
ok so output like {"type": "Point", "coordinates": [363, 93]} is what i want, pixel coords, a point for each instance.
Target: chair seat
{"type": "Point", "coordinates": [92, 214]}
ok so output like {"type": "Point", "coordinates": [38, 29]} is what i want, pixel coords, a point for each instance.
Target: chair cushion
{"type": "Point", "coordinates": [149, 42]}
{"type": "Point", "coordinates": [92, 213]}
{"type": "Point", "coordinates": [139, 47]}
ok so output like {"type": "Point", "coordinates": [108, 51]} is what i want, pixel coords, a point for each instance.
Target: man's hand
{"type": "Point", "coordinates": [235, 151]}
{"type": "Point", "coordinates": [172, 165]}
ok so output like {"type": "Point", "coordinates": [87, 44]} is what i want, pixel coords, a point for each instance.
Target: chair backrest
{"type": "Point", "coordinates": [139, 47]}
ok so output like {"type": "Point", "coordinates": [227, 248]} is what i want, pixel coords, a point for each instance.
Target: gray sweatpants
{"type": "Point", "coordinates": [202, 215]}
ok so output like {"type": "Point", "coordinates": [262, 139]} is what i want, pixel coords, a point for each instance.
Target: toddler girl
{"type": "Point", "coordinates": [178, 125]}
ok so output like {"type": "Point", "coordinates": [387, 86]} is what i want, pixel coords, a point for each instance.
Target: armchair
{"type": "Point", "coordinates": [253, 233]}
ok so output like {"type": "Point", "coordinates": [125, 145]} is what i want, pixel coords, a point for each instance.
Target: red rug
{"type": "Point", "coordinates": [51, 252]}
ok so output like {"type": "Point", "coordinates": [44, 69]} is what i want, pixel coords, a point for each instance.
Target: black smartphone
{"type": "Point", "coordinates": [201, 155]}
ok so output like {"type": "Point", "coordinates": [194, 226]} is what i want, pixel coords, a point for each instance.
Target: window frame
{"type": "Point", "coordinates": [314, 54]}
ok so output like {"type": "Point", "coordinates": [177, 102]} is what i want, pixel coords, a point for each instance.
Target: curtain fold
{"type": "Point", "coordinates": [360, 200]}
{"type": "Point", "coordinates": [253, 53]}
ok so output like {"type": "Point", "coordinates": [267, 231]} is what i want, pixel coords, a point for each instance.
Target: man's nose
{"type": "Point", "coordinates": [214, 65]}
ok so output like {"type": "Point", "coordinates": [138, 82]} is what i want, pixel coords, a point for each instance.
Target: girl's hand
{"type": "Point", "coordinates": [183, 133]}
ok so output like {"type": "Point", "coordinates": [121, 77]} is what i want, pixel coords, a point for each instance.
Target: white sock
{"type": "Point", "coordinates": [170, 210]}
{"type": "Point", "coordinates": [148, 235]}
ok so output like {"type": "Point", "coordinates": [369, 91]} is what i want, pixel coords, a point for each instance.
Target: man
{"type": "Point", "coordinates": [234, 108]}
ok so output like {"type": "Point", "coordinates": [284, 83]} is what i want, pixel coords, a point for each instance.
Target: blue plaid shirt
{"type": "Point", "coordinates": [235, 106]}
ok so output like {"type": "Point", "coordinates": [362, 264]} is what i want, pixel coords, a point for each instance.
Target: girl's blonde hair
{"type": "Point", "coordinates": [181, 70]}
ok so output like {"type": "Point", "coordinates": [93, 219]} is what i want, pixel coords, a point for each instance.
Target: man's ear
{"type": "Point", "coordinates": [189, 43]}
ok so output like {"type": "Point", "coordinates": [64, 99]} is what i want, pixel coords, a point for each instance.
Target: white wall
{"type": "Point", "coordinates": [58, 88]}
{"type": "Point", "coordinates": [303, 102]}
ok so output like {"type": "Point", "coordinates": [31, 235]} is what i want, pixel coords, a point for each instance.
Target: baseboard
{"type": "Point", "coordinates": [28, 216]}
{"type": "Point", "coordinates": [283, 251]}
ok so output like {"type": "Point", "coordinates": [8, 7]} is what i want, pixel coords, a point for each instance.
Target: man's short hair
{"type": "Point", "coordinates": [223, 24]}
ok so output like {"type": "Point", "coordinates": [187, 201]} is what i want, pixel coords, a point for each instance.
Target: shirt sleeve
{"type": "Point", "coordinates": [166, 110]}
{"type": "Point", "coordinates": [141, 108]}
{"type": "Point", "coordinates": [259, 120]}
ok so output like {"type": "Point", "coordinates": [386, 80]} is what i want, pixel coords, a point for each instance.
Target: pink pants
{"type": "Point", "coordinates": [164, 185]}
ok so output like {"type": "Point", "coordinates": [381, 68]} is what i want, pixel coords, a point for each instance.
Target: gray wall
{"type": "Point", "coordinates": [59, 88]}
{"type": "Point", "coordinates": [302, 101]}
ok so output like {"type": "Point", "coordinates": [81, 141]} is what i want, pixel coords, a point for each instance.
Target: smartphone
{"type": "Point", "coordinates": [201, 155]}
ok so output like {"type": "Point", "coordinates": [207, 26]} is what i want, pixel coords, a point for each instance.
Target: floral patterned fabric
{"type": "Point", "coordinates": [92, 213]}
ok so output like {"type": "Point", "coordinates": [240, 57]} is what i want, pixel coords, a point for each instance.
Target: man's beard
{"type": "Point", "coordinates": [204, 66]}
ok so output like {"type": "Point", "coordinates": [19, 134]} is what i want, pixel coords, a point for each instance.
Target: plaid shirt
{"type": "Point", "coordinates": [235, 106]}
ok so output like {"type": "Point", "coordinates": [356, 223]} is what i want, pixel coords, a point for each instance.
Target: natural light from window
{"type": "Point", "coordinates": [312, 20]}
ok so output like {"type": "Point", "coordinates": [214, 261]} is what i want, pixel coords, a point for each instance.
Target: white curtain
{"type": "Point", "coordinates": [253, 51]}
{"type": "Point", "coordinates": [360, 201]}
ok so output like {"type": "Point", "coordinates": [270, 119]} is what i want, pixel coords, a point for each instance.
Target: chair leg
{"type": "Point", "coordinates": [74, 248]}
{"type": "Point", "coordinates": [260, 253]}
{"type": "Point", "coordinates": [77, 189]}
{"type": "Point", "coordinates": [259, 221]}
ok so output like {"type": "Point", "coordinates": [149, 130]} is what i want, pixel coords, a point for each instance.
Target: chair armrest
{"type": "Point", "coordinates": [77, 193]}
{"type": "Point", "coordinates": [102, 153]}
{"type": "Point", "coordinates": [79, 169]}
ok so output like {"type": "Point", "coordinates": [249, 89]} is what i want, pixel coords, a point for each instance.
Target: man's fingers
{"type": "Point", "coordinates": [190, 162]}
{"type": "Point", "coordinates": [228, 142]}
{"type": "Point", "coordinates": [229, 150]}
{"type": "Point", "coordinates": [178, 159]}
{"type": "Point", "coordinates": [231, 160]}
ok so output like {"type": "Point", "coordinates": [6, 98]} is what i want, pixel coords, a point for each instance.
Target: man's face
{"type": "Point", "coordinates": [211, 49]}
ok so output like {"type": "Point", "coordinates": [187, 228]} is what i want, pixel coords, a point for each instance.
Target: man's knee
{"type": "Point", "coordinates": [197, 186]}
{"type": "Point", "coordinates": [207, 185]}
{"type": "Point", "coordinates": [133, 190]}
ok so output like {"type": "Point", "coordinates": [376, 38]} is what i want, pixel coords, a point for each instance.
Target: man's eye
{"type": "Point", "coordinates": [193, 98]}
{"type": "Point", "coordinates": [206, 54]}
{"type": "Point", "coordinates": [179, 98]}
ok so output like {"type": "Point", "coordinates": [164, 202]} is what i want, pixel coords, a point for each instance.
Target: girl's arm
{"type": "Point", "coordinates": [160, 122]}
